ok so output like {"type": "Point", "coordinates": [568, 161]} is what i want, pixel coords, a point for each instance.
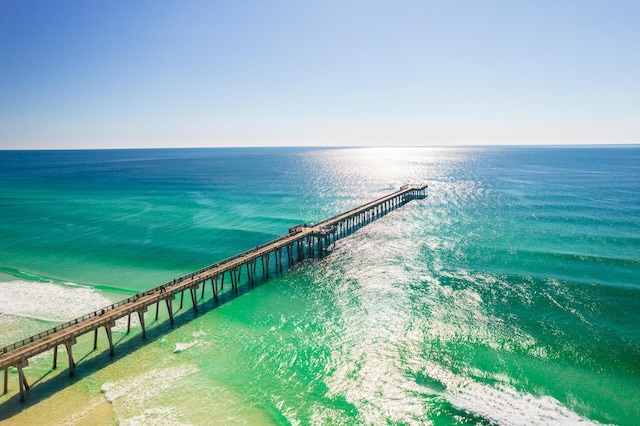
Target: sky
{"type": "Point", "coordinates": [125, 74]}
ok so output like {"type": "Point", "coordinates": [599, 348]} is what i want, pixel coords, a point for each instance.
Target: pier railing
{"type": "Point", "coordinates": [413, 191]}
{"type": "Point", "coordinates": [123, 302]}
{"type": "Point", "coordinates": [67, 324]}
{"type": "Point", "coordinates": [135, 297]}
{"type": "Point", "coordinates": [353, 210]}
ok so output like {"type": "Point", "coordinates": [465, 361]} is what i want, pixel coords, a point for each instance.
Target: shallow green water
{"type": "Point", "coordinates": [510, 295]}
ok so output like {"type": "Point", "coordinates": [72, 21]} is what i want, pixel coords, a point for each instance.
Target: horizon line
{"type": "Point", "coordinates": [139, 148]}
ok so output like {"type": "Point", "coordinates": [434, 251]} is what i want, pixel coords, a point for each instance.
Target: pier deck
{"type": "Point", "coordinates": [301, 241]}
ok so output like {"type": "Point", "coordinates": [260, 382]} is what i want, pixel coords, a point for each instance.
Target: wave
{"type": "Point", "coordinates": [49, 301]}
{"type": "Point", "coordinates": [28, 276]}
{"type": "Point", "coordinates": [502, 404]}
{"type": "Point", "coordinates": [17, 273]}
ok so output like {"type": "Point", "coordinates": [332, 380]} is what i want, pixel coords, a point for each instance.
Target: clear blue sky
{"type": "Point", "coordinates": [89, 74]}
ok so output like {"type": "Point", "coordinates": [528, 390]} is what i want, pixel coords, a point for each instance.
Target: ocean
{"type": "Point", "coordinates": [510, 295]}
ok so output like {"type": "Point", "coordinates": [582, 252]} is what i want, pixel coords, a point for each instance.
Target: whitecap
{"type": "Point", "coordinates": [184, 346]}
{"type": "Point", "coordinates": [502, 404]}
{"type": "Point", "coordinates": [49, 301]}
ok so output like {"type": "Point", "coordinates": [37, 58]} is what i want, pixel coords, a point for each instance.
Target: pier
{"type": "Point", "coordinates": [302, 242]}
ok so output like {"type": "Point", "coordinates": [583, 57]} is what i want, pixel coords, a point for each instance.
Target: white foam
{"type": "Point", "coordinates": [48, 301]}
{"type": "Point", "coordinates": [380, 390]}
{"type": "Point", "coordinates": [184, 346]}
{"type": "Point", "coordinates": [502, 404]}
{"type": "Point", "coordinates": [136, 390]}
{"type": "Point", "coordinates": [371, 375]}
{"type": "Point", "coordinates": [131, 396]}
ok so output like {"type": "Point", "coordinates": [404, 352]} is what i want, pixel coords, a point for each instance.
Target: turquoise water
{"type": "Point", "coordinates": [511, 295]}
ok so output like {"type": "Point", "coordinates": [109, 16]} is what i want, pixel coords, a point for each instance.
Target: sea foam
{"type": "Point", "coordinates": [49, 301]}
{"type": "Point", "coordinates": [502, 404]}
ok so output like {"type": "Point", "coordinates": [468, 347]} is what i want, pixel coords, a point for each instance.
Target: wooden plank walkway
{"type": "Point", "coordinates": [311, 239]}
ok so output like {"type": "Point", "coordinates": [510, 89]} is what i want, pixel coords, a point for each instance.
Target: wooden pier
{"type": "Point", "coordinates": [302, 241]}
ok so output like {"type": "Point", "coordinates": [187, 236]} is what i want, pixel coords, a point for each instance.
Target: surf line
{"type": "Point", "coordinates": [302, 241]}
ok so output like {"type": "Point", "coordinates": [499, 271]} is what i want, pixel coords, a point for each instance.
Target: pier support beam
{"type": "Point", "coordinates": [68, 345]}
{"type": "Point", "coordinates": [6, 380]}
{"type": "Point", "coordinates": [235, 277]}
{"type": "Point", "coordinates": [214, 287]}
{"type": "Point", "coordinates": [247, 266]}
{"type": "Point", "coordinates": [141, 313]}
{"type": "Point", "coordinates": [277, 254]}
{"type": "Point", "coordinates": [290, 252]}
{"type": "Point", "coordinates": [168, 301]}
{"type": "Point", "coordinates": [194, 297]}
{"type": "Point", "coordinates": [107, 329]}
{"type": "Point", "coordinates": [55, 357]}
{"type": "Point", "coordinates": [267, 259]}
{"type": "Point", "coordinates": [22, 381]}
